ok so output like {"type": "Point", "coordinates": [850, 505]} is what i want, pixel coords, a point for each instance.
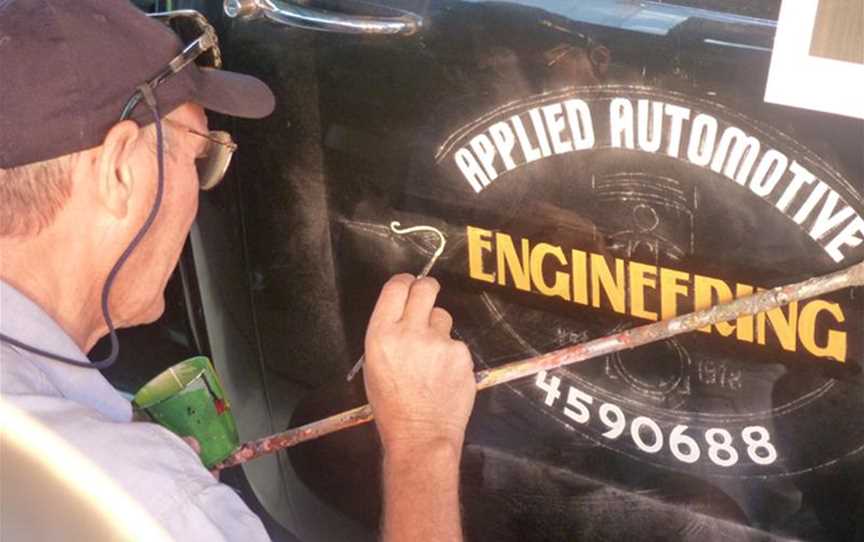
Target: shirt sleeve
{"type": "Point", "coordinates": [155, 467]}
{"type": "Point", "coordinates": [215, 513]}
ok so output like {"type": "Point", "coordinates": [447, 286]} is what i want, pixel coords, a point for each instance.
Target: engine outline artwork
{"type": "Point", "coordinates": [769, 412]}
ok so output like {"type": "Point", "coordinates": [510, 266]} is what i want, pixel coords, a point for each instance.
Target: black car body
{"type": "Point", "coordinates": [594, 165]}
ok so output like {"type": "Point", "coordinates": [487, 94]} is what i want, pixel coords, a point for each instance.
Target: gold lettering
{"type": "Point", "coordinates": [784, 327]}
{"type": "Point", "coordinates": [478, 242]}
{"type": "Point", "coordinates": [580, 277]}
{"type": "Point", "coordinates": [624, 284]}
{"type": "Point", "coordinates": [671, 288]}
{"type": "Point", "coordinates": [639, 280]}
{"type": "Point", "coordinates": [704, 291]}
{"type": "Point", "coordinates": [601, 275]}
{"type": "Point", "coordinates": [561, 287]}
{"type": "Point", "coordinates": [508, 260]}
{"type": "Point", "coordinates": [835, 345]}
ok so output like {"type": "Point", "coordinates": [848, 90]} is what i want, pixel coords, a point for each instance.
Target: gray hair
{"type": "Point", "coordinates": [33, 194]}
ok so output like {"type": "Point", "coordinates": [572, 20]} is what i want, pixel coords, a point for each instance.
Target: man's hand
{"type": "Point", "coordinates": [421, 386]}
{"type": "Point", "coordinates": [419, 381]}
{"type": "Point", "coordinates": [193, 443]}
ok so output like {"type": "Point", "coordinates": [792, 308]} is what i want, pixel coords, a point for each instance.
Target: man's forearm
{"type": "Point", "coordinates": [421, 493]}
{"type": "Point", "coordinates": [420, 384]}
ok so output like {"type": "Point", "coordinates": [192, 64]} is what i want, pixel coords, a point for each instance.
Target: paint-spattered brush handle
{"type": "Point", "coordinates": [764, 301]}
{"type": "Point", "coordinates": [286, 439]}
{"type": "Point", "coordinates": [638, 336]}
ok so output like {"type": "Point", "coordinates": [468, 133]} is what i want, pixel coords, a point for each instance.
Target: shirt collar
{"type": "Point", "coordinates": [24, 320]}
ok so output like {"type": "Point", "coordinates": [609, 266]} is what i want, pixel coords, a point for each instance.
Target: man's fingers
{"type": "Point", "coordinates": [193, 443]}
{"type": "Point", "coordinates": [421, 299]}
{"type": "Point", "coordinates": [441, 321]}
{"type": "Point", "coordinates": [196, 446]}
{"type": "Point", "coordinates": [391, 301]}
{"type": "Point", "coordinates": [462, 354]}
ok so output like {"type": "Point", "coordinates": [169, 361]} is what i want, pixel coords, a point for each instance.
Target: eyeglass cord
{"type": "Point", "coordinates": [150, 100]}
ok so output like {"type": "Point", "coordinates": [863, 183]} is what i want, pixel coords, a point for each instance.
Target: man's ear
{"type": "Point", "coordinates": [115, 176]}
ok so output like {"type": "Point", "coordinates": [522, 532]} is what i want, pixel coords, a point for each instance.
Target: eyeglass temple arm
{"type": "Point", "coordinates": [187, 55]}
{"type": "Point", "coordinates": [208, 33]}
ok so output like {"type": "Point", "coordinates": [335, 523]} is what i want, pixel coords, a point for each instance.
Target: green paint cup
{"type": "Point", "coordinates": [188, 399]}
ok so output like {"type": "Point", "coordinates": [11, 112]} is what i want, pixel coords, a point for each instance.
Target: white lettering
{"type": "Point", "coordinates": [485, 152]}
{"type": "Point", "coordinates": [801, 177]}
{"type": "Point", "coordinates": [556, 124]}
{"type": "Point", "coordinates": [743, 144]}
{"type": "Point", "coordinates": [849, 236]}
{"type": "Point", "coordinates": [621, 123]}
{"type": "Point", "coordinates": [703, 135]}
{"type": "Point", "coordinates": [649, 136]}
{"type": "Point", "coordinates": [732, 153]}
{"type": "Point", "coordinates": [504, 140]}
{"type": "Point", "coordinates": [540, 131]}
{"type": "Point", "coordinates": [530, 152]}
{"type": "Point", "coordinates": [581, 124]}
{"type": "Point", "coordinates": [678, 115]}
{"type": "Point", "coordinates": [762, 184]}
{"type": "Point", "coordinates": [828, 219]}
{"type": "Point", "coordinates": [810, 203]}
{"type": "Point", "coordinates": [470, 169]}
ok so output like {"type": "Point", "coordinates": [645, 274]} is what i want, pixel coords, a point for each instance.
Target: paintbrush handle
{"type": "Point", "coordinates": [286, 439]}
{"type": "Point", "coordinates": [658, 331]}
{"type": "Point", "coordinates": [625, 340]}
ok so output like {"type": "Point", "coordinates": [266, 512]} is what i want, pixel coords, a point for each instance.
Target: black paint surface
{"type": "Point", "coordinates": [352, 146]}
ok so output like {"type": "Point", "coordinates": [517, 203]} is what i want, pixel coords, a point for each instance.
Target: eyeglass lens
{"type": "Point", "coordinates": [213, 165]}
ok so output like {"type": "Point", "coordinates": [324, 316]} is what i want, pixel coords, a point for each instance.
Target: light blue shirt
{"type": "Point", "coordinates": [153, 465]}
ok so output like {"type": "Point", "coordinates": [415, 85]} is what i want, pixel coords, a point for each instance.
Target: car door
{"type": "Point", "coordinates": [593, 165]}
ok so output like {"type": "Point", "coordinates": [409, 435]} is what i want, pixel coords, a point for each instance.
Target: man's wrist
{"type": "Point", "coordinates": [421, 491]}
{"type": "Point", "coordinates": [416, 452]}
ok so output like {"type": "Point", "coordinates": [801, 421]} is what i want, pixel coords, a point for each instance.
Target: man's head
{"type": "Point", "coordinates": [77, 182]}
{"type": "Point", "coordinates": [94, 201]}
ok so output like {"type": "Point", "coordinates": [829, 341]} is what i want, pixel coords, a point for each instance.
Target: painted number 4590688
{"type": "Point", "coordinates": [647, 435]}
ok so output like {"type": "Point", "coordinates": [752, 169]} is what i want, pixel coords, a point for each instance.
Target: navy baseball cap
{"type": "Point", "coordinates": [67, 67]}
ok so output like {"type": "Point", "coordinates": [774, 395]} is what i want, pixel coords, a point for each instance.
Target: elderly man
{"type": "Point", "coordinates": [103, 147]}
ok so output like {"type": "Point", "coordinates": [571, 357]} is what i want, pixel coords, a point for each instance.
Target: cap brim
{"type": "Point", "coordinates": [233, 94]}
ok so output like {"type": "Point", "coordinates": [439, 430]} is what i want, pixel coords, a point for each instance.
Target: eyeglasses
{"type": "Point", "coordinates": [214, 162]}
{"type": "Point", "coordinates": [204, 51]}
